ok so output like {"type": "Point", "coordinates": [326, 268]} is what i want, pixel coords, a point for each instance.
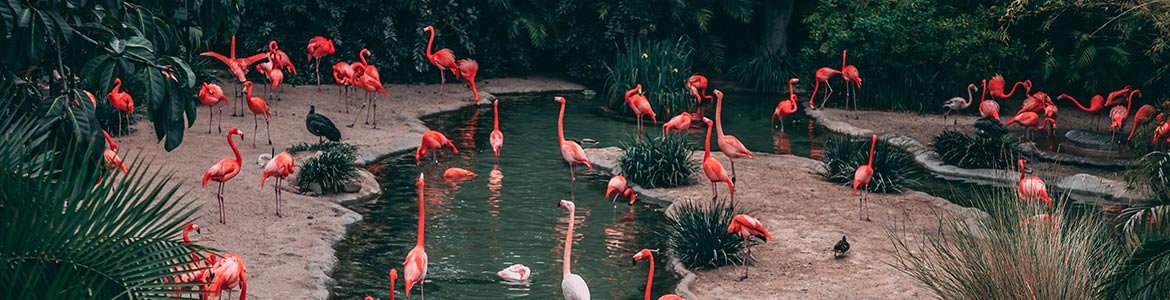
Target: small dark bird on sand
{"type": "Point", "coordinates": [321, 126]}
{"type": "Point", "coordinates": [840, 248]}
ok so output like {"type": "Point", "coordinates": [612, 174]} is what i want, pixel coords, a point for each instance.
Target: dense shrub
{"type": "Point", "coordinates": [332, 169]}
{"type": "Point", "coordinates": [958, 149]}
{"type": "Point", "coordinates": [697, 234]}
{"type": "Point", "coordinates": [662, 69]}
{"type": "Point", "coordinates": [1010, 255]}
{"type": "Point", "coordinates": [910, 52]}
{"type": "Point", "coordinates": [658, 162]}
{"type": "Point", "coordinates": [893, 169]}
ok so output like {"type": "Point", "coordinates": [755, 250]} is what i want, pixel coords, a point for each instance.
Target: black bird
{"type": "Point", "coordinates": [321, 126]}
{"type": "Point", "coordinates": [989, 128]}
{"type": "Point", "coordinates": [840, 248]}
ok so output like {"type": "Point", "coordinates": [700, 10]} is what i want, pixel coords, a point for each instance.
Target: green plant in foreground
{"type": "Point", "coordinates": [661, 67]}
{"type": "Point", "coordinates": [327, 146]}
{"type": "Point", "coordinates": [894, 170]}
{"type": "Point", "coordinates": [333, 169]}
{"type": "Point", "coordinates": [958, 149]}
{"type": "Point", "coordinates": [697, 234]}
{"type": "Point", "coordinates": [1012, 254]}
{"type": "Point", "coordinates": [658, 162]}
{"type": "Point", "coordinates": [63, 237]}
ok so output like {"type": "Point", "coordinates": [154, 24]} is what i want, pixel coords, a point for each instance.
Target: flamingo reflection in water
{"type": "Point", "coordinates": [495, 185]}
{"type": "Point", "coordinates": [467, 132]}
{"type": "Point", "coordinates": [618, 233]}
{"type": "Point", "coordinates": [781, 142]}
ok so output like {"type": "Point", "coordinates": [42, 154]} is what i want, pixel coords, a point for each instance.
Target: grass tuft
{"type": "Point", "coordinates": [658, 162]}
{"type": "Point", "coordinates": [958, 149]}
{"type": "Point", "coordinates": [697, 235]}
{"type": "Point", "coordinates": [332, 169]}
{"type": "Point", "coordinates": [894, 170]}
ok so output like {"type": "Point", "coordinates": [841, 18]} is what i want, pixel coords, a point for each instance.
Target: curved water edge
{"type": "Point", "coordinates": [1079, 187]}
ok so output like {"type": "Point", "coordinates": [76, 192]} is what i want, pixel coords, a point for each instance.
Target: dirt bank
{"type": "Point", "coordinates": [291, 257]}
{"type": "Point", "coordinates": [807, 216]}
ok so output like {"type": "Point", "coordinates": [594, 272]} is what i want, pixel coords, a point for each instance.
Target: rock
{"type": "Point", "coordinates": [353, 186]}
{"type": "Point", "coordinates": [316, 189]}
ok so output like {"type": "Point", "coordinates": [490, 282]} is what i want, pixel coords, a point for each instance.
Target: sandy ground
{"type": "Point", "coordinates": [807, 216]}
{"type": "Point", "coordinates": [291, 257]}
{"type": "Point", "coordinates": [924, 128]}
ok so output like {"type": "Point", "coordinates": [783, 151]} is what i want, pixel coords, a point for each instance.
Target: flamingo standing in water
{"type": "Point", "coordinates": [1031, 188]}
{"type": "Point", "coordinates": [468, 68]}
{"type": "Point", "coordinates": [318, 48]}
{"type": "Point", "coordinates": [714, 169]}
{"type": "Point", "coordinates": [258, 107]}
{"type": "Point", "coordinates": [433, 140]}
{"type": "Point", "coordinates": [996, 87]}
{"type": "Point", "coordinates": [496, 138]}
{"type": "Point", "coordinates": [444, 59]}
{"type": "Point", "coordinates": [785, 108]}
{"type": "Point", "coordinates": [570, 150]}
{"type": "Point", "coordinates": [280, 167]}
{"type": "Point", "coordinates": [988, 108]}
{"type": "Point", "coordinates": [458, 174]}
{"type": "Point", "coordinates": [747, 227]}
{"type": "Point", "coordinates": [110, 155]}
{"type": "Point", "coordinates": [228, 273]}
{"type": "Point", "coordinates": [640, 106]}
{"type": "Point", "coordinates": [415, 266]}
{"type": "Point", "coordinates": [237, 66]}
{"type": "Point", "coordinates": [618, 187]}
{"type": "Point", "coordinates": [698, 86]}
{"type": "Point", "coordinates": [343, 75]}
{"type": "Point", "coordinates": [1144, 115]}
{"type": "Point", "coordinates": [225, 169]}
{"type": "Point", "coordinates": [393, 279]}
{"type": "Point", "coordinates": [728, 144]}
{"type": "Point", "coordinates": [211, 94]}
{"type": "Point", "coordinates": [680, 122]}
{"type": "Point", "coordinates": [121, 101]}
{"type": "Point", "coordinates": [823, 75]}
{"type": "Point", "coordinates": [851, 76]}
{"type": "Point", "coordinates": [862, 177]}
{"type": "Point", "coordinates": [515, 273]}
{"type": "Point", "coordinates": [958, 103]}
{"type": "Point", "coordinates": [647, 255]}
{"type": "Point", "coordinates": [572, 285]}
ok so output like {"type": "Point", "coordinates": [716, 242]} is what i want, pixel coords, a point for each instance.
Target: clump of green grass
{"type": "Point", "coordinates": [958, 149]}
{"type": "Point", "coordinates": [658, 162]}
{"type": "Point", "coordinates": [894, 170]}
{"type": "Point", "coordinates": [661, 67]}
{"type": "Point", "coordinates": [1012, 255]}
{"type": "Point", "coordinates": [697, 234]}
{"type": "Point", "coordinates": [332, 169]}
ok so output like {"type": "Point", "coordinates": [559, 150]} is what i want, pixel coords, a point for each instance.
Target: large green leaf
{"type": "Point", "coordinates": [9, 10]}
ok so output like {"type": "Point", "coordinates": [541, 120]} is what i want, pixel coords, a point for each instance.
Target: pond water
{"type": "Point", "coordinates": [509, 213]}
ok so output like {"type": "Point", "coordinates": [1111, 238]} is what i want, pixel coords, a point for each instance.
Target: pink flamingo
{"type": "Point", "coordinates": [433, 140]}
{"type": "Point", "coordinates": [458, 174]}
{"type": "Point", "coordinates": [618, 187]}
{"type": "Point", "coordinates": [237, 66]}
{"type": "Point", "coordinates": [110, 155]}
{"type": "Point", "coordinates": [997, 83]}
{"type": "Point", "coordinates": [851, 75]}
{"type": "Point", "coordinates": [747, 227]}
{"type": "Point", "coordinates": [988, 108]}
{"type": "Point", "coordinates": [728, 144]}
{"type": "Point", "coordinates": [468, 68]}
{"type": "Point", "coordinates": [318, 48]}
{"type": "Point", "coordinates": [698, 86]}
{"type": "Point", "coordinates": [228, 273]}
{"type": "Point", "coordinates": [1030, 120]}
{"type": "Point", "coordinates": [862, 177]}
{"type": "Point", "coordinates": [640, 106]}
{"type": "Point", "coordinates": [225, 169]}
{"type": "Point", "coordinates": [680, 122]}
{"type": "Point", "coordinates": [258, 107]}
{"type": "Point", "coordinates": [823, 75]}
{"type": "Point", "coordinates": [343, 75]}
{"type": "Point", "coordinates": [570, 150]}
{"type": "Point", "coordinates": [1115, 96]}
{"type": "Point", "coordinates": [572, 285]}
{"type": "Point", "coordinates": [785, 108]}
{"type": "Point", "coordinates": [1144, 115]}
{"type": "Point", "coordinates": [497, 137]}
{"type": "Point", "coordinates": [415, 266]}
{"type": "Point", "coordinates": [647, 255]}
{"type": "Point", "coordinates": [1096, 105]}
{"type": "Point", "coordinates": [958, 103]}
{"type": "Point", "coordinates": [211, 94]}
{"type": "Point", "coordinates": [280, 59]}
{"type": "Point", "coordinates": [444, 59]}
{"type": "Point", "coordinates": [713, 169]}
{"type": "Point", "coordinates": [121, 101]}
{"type": "Point", "coordinates": [1031, 188]}
{"type": "Point", "coordinates": [1119, 113]}
{"type": "Point", "coordinates": [280, 167]}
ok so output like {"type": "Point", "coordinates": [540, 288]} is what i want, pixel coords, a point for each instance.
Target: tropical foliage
{"type": "Point", "coordinates": [697, 234]}
{"type": "Point", "coordinates": [64, 237]}
{"type": "Point", "coordinates": [958, 149]}
{"type": "Point", "coordinates": [57, 50]}
{"type": "Point", "coordinates": [658, 162]}
{"type": "Point", "coordinates": [332, 169]}
{"type": "Point", "coordinates": [893, 169]}
{"type": "Point", "coordinates": [662, 68]}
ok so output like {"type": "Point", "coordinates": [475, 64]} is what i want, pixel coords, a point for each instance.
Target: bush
{"type": "Point", "coordinates": [662, 69]}
{"type": "Point", "coordinates": [894, 170]}
{"type": "Point", "coordinates": [765, 72]}
{"type": "Point", "coordinates": [332, 169]}
{"type": "Point", "coordinates": [1153, 171]}
{"type": "Point", "coordinates": [658, 162]}
{"type": "Point", "coordinates": [1068, 256]}
{"type": "Point", "coordinates": [697, 234]}
{"type": "Point", "coordinates": [958, 149]}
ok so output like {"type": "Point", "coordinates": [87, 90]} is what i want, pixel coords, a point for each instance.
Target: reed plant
{"type": "Point", "coordinates": [894, 170]}
{"type": "Point", "coordinates": [661, 67]}
{"type": "Point", "coordinates": [697, 235]}
{"type": "Point", "coordinates": [658, 162]}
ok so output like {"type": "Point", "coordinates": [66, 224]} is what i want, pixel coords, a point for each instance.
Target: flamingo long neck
{"type": "Point", "coordinates": [791, 93]}
{"type": "Point", "coordinates": [422, 220]}
{"type": "Point", "coordinates": [707, 145]}
{"type": "Point", "coordinates": [236, 150]}
{"type": "Point", "coordinates": [569, 241]}
{"type": "Point", "coordinates": [1021, 172]}
{"type": "Point", "coordinates": [248, 91]}
{"type": "Point", "coordinates": [431, 42]}
{"type": "Point", "coordinates": [1129, 99]}
{"type": "Point", "coordinates": [872, 146]}
{"type": "Point", "coordinates": [117, 85]}
{"type": "Point", "coordinates": [1014, 86]}
{"type": "Point", "coordinates": [1078, 103]}
{"type": "Point", "coordinates": [392, 281]}
{"type": "Point", "coordinates": [650, 279]}
{"type": "Point", "coordinates": [233, 47]}
{"type": "Point", "coordinates": [362, 55]}
{"type": "Point", "coordinates": [983, 97]}
{"type": "Point", "coordinates": [970, 97]}
{"type": "Point", "coordinates": [844, 53]}
{"type": "Point", "coordinates": [719, 114]}
{"type": "Point", "coordinates": [561, 124]}
{"type": "Point", "coordinates": [496, 115]}
{"type": "Point", "coordinates": [186, 238]}
{"type": "Point", "coordinates": [630, 93]}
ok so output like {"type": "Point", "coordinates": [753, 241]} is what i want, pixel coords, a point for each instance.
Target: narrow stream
{"type": "Point", "coordinates": [509, 213]}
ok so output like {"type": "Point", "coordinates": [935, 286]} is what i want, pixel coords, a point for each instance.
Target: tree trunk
{"type": "Point", "coordinates": [777, 16]}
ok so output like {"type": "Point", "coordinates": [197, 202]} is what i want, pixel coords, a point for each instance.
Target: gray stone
{"type": "Point", "coordinates": [316, 188]}
{"type": "Point", "coordinates": [353, 186]}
